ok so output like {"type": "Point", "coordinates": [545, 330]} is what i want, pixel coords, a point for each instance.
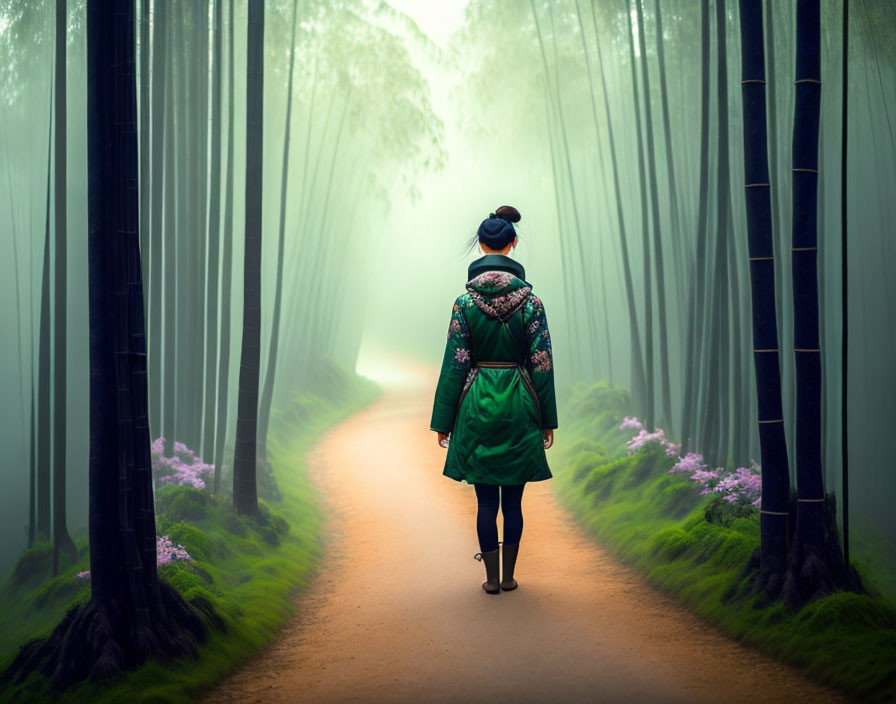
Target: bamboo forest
{"type": "Point", "coordinates": [305, 302]}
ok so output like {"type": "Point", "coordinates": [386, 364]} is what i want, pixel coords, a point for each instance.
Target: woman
{"type": "Point", "coordinates": [495, 395]}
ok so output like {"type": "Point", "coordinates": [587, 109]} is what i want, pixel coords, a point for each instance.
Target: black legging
{"type": "Point", "coordinates": [487, 515]}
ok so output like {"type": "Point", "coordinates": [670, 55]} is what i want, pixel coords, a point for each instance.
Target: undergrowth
{"type": "Point", "coordinates": [247, 568]}
{"type": "Point", "coordinates": [698, 549]}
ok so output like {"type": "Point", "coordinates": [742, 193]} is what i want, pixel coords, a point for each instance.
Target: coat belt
{"type": "Point", "coordinates": [487, 363]}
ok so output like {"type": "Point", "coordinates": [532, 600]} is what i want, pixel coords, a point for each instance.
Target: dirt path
{"type": "Point", "coordinates": [396, 612]}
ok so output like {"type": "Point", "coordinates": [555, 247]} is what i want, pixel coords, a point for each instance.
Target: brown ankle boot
{"type": "Point", "coordinates": [509, 552]}
{"type": "Point", "coordinates": [492, 584]}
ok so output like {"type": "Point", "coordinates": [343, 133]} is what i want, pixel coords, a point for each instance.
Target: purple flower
{"type": "Point", "coordinates": [166, 551]}
{"type": "Point", "coordinates": [704, 476]}
{"type": "Point", "coordinates": [691, 462]}
{"type": "Point", "coordinates": [743, 485]}
{"type": "Point", "coordinates": [632, 422]}
{"type": "Point", "coordinates": [185, 468]}
{"type": "Point", "coordinates": [461, 354]}
{"type": "Point", "coordinates": [672, 449]}
{"type": "Point", "coordinates": [643, 437]}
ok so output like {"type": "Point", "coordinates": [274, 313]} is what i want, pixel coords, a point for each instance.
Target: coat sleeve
{"type": "Point", "coordinates": [541, 361]}
{"type": "Point", "coordinates": [455, 367]}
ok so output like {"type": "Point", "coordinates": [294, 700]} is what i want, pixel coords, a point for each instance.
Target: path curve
{"type": "Point", "coordinates": [396, 612]}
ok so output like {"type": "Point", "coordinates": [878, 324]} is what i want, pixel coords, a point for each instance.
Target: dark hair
{"type": "Point", "coordinates": [497, 231]}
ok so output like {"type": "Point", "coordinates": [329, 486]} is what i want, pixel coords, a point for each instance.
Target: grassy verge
{"type": "Point", "coordinates": [248, 568]}
{"type": "Point", "coordinates": [696, 548]}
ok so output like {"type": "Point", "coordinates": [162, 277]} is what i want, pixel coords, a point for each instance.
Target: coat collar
{"type": "Point", "coordinates": [495, 262]}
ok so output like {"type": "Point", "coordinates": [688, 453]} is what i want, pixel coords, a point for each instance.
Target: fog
{"type": "Point", "coordinates": [406, 131]}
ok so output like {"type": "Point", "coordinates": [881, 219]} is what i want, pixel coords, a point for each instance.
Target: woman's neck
{"type": "Point", "coordinates": [496, 251]}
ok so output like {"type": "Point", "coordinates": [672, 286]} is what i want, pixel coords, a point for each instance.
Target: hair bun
{"type": "Point", "coordinates": [508, 212]}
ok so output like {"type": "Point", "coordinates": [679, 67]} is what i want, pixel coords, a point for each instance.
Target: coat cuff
{"type": "Point", "coordinates": [443, 417]}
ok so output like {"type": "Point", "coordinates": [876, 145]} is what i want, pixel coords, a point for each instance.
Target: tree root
{"type": "Point", "coordinates": [99, 641]}
{"type": "Point", "coordinates": [811, 572]}
{"type": "Point", "coordinates": [817, 568]}
{"type": "Point", "coordinates": [766, 581]}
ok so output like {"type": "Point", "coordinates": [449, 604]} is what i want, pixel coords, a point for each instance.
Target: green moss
{"type": "Point", "coordinates": [600, 479]}
{"type": "Point", "coordinates": [671, 542]}
{"type": "Point", "coordinates": [245, 570]}
{"type": "Point", "coordinates": [848, 608]}
{"type": "Point", "coordinates": [233, 523]}
{"type": "Point", "coordinates": [586, 461]}
{"type": "Point", "coordinates": [180, 503]}
{"type": "Point", "coordinates": [34, 563]}
{"type": "Point", "coordinates": [696, 548]}
{"type": "Point", "coordinates": [676, 499]}
{"type": "Point", "coordinates": [267, 481]}
{"type": "Point", "coordinates": [59, 589]}
{"type": "Point", "coordinates": [197, 543]}
{"type": "Point", "coordinates": [184, 575]}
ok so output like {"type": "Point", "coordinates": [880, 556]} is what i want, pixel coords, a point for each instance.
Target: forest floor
{"type": "Point", "coordinates": [396, 613]}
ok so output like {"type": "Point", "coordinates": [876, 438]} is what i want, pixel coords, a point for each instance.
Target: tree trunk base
{"type": "Point", "coordinates": [809, 573]}
{"type": "Point", "coordinates": [767, 581]}
{"type": "Point", "coordinates": [100, 641]}
{"type": "Point", "coordinates": [816, 568]}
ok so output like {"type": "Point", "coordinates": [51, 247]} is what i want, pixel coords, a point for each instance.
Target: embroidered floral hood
{"type": "Point", "coordinates": [498, 293]}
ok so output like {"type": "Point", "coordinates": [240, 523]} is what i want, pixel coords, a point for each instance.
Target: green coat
{"type": "Point", "coordinates": [495, 415]}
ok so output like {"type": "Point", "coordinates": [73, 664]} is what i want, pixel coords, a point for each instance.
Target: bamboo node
{"type": "Point", "coordinates": [808, 171]}
{"type": "Point", "coordinates": [806, 80]}
{"type": "Point", "coordinates": [756, 185]}
{"type": "Point", "coordinates": [803, 249]}
{"type": "Point", "coordinates": [761, 259]}
{"type": "Point", "coordinates": [776, 420]}
{"type": "Point", "coordinates": [811, 500]}
{"type": "Point", "coordinates": [753, 80]}
{"type": "Point", "coordinates": [769, 350]}
{"type": "Point", "coordinates": [775, 513]}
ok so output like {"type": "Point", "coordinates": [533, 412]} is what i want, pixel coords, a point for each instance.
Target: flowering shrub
{"type": "Point", "coordinates": [631, 423]}
{"type": "Point", "coordinates": [742, 486]}
{"type": "Point", "coordinates": [643, 437]}
{"type": "Point", "coordinates": [166, 552]}
{"type": "Point", "coordinates": [185, 468]}
{"type": "Point", "coordinates": [691, 462]}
